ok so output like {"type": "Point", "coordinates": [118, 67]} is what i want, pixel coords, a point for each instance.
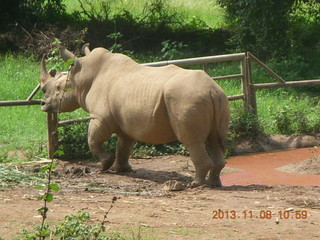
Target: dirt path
{"type": "Point", "coordinates": [252, 205]}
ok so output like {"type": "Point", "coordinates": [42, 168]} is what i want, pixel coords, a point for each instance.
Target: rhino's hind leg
{"type": "Point", "coordinates": [97, 135]}
{"type": "Point", "coordinates": [201, 161]}
{"type": "Point", "coordinates": [217, 156]}
{"type": "Point", "coordinates": [124, 147]}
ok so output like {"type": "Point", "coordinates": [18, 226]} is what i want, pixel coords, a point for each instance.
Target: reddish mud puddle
{"type": "Point", "coordinates": [261, 169]}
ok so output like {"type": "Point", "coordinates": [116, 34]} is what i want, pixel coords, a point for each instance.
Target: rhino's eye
{"type": "Point", "coordinates": [58, 88]}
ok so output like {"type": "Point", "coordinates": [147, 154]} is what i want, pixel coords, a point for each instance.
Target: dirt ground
{"type": "Point", "coordinates": [265, 196]}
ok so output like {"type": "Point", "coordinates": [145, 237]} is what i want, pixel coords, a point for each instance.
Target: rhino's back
{"type": "Point", "coordinates": [138, 107]}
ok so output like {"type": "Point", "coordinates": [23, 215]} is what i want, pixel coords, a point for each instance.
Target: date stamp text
{"type": "Point", "coordinates": [259, 214]}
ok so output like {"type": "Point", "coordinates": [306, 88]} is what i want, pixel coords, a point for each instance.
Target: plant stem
{"type": "Point", "coordinates": [45, 209]}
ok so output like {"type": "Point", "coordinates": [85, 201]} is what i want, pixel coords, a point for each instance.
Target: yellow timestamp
{"type": "Point", "coordinates": [259, 214]}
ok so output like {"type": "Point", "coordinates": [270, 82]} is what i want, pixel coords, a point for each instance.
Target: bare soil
{"type": "Point", "coordinates": [256, 202]}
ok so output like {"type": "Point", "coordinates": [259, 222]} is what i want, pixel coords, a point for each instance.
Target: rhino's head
{"type": "Point", "coordinates": [59, 90]}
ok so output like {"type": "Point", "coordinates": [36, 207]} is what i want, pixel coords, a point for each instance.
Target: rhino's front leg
{"type": "Point", "coordinates": [97, 135]}
{"type": "Point", "coordinates": [124, 148]}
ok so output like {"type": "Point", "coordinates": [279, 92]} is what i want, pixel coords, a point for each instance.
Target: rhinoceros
{"type": "Point", "coordinates": [141, 103]}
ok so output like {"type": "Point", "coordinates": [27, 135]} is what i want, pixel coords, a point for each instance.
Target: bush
{"type": "Point", "coordinates": [28, 12]}
{"type": "Point", "coordinates": [245, 125]}
{"type": "Point", "coordinates": [259, 26]}
{"type": "Point", "coordinates": [73, 141]}
{"type": "Point", "coordinates": [293, 120]}
{"type": "Point", "coordinates": [76, 227]}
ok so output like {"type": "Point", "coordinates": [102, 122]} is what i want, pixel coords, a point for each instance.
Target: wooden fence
{"type": "Point", "coordinates": [248, 88]}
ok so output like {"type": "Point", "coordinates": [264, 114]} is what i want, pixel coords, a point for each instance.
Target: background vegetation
{"type": "Point", "coordinates": [285, 34]}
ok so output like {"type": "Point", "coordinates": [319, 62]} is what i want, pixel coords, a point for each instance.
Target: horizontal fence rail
{"type": "Point", "coordinates": [287, 84]}
{"type": "Point", "coordinates": [72, 121]}
{"type": "Point", "coordinates": [20, 103]}
{"type": "Point", "coordinates": [199, 60]}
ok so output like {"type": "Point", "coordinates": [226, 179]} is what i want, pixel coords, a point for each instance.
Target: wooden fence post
{"type": "Point", "coordinates": [52, 122]}
{"type": "Point", "coordinates": [250, 102]}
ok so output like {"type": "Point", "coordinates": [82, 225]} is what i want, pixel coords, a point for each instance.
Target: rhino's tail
{"type": "Point", "coordinates": [221, 118]}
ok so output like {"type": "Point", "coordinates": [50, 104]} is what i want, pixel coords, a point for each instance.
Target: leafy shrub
{"type": "Point", "coordinates": [293, 120]}
{"type": "Point", "coordinates": [76, 227]}
{"type": "Point", "coordinates": [283, 121]}
{"type": "Point", "coordinates": [27, 12]}
{"type": "Point", "coordinates": [73, 141]}
{"type": "Point", "coordinates": [172, 50]}
{"type": "Point", "coordinates": [144, 149]}
{"type": "Point", "coordinates": [245, 125]}
{"type": "Point", "coordinates": [305, 28]}
{"type": "Point", "coordinates": [259, 26]}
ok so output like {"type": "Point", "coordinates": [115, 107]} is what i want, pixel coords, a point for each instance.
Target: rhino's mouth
{"type": "Point", "coordinates": [44, 108]}
{"type": "Point", "coordinates": [47, 106]}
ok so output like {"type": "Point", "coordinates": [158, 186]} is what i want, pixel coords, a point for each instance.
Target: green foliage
{"type": "Point", "coordinates": [76, 227]}
{"type": "Point", "coordinates": [295, 120]}
{"type": "Point", "coordinates": [46, 197]}
{"type": "Point", "coordinates": [172, 50]}
{"type": "Point", "coordinates": [259, 26]}
{"type": "Point", "coordinates": [27, 12]}
{"type": "Point", "coordinates": [73, 141]}
{"type": "Point", "coordinates": [54, 59]}
{"type": "Point", "coordinates": [158, 15]}
{"type": "Point", "coordinates": [148, 29]}
{"type": "Point", "coordinates": [144, 149]}
{"type": "Point", "coordinates": [245, 125]}
{"type": "Point", "coordinates": [305, 29]}
{"type": "Point", "coordinates": [270, 29]}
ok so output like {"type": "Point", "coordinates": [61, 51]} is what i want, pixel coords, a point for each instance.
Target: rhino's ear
{"type": "Point", "coordinates": [86, 49]}
{"type": "Point", "coordinates": [44, 75]}
{"type": "Point", "coordinates": [66, 54]}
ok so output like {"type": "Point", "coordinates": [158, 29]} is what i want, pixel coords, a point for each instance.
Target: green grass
{"type": "Point", "coordinates": [22, 128]}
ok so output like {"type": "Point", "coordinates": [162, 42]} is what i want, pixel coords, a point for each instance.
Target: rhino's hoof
{"type": "Point", "coordinates": [195, 184]}
{"type": "Point", "coordinates": [106, 164]}
{"type": "Point", "coordinates": [215, 182]}
{"type": "Point", "coordinates": [120, 168]}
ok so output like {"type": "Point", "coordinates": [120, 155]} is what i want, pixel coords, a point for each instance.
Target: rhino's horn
{"type": "Point", "coordinates": [85, 49]}
{"type": "Point", "coordinates": [44, 75]}
{"type": "Point", "coordinates": [66, 54]}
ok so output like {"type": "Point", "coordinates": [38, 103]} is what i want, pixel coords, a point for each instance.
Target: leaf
{"type": "Point", "coordinates": [44, 233]}
{"type": "Point", "coordinates": [40, 198]}
{"type": "Point", "coordinates": [44, 169]}
{"type": "Point", "coordinates": [41, 210]}
{"type": "Point", "coordinates": [52, 165]}
{"type": "Point", "coordinates": [40, 186]}
{"type": "Point", "coordinates": [54, 187]}
{"type": "Point", "coordinates": [59, 152]}
{"type": "Point", "coordinates": [69, 62]}
{"type": "Point", "coordinates": [49, 197]}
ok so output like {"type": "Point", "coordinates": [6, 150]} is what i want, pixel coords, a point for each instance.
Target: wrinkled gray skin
{"type": "Point", "coordinates": [149, 104]}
